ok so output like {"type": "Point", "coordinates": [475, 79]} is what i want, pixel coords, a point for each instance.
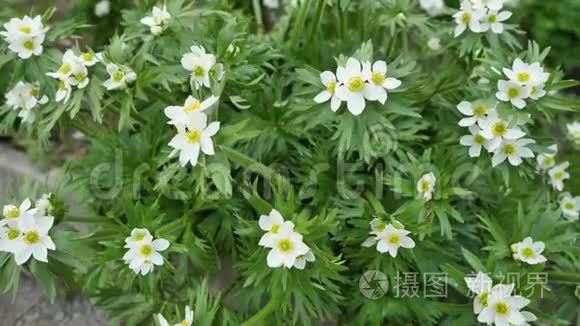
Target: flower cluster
{"type": "Point", "coordinates": [528, 251]}
{"type": "Point", "coordinates": [481, 16]}
{"type": "Point", "coordinates": [388, 237]}
{"type": "Point", "coordinates": [525, 81]}
{"type": "Point", "coordinates": [570, 206]}
{"type": "Point", "coordinates": [72, 72]}
{"type": "Point", "coordinates": [119, 77]}
{"type": "Point", "coordinates": [157, 21]}
{"type": "Point", "coordinates": [494, 134]}
{"type": "Point", "coordinates": [574, 131]}
{"type": "Point", "coordinates": [24, 230]}
{"type": "Point", "coordinates": [495, 304]}
{"type": "Point", "coordinates": [143, 254]}
{"type": "Point", "coordinates": [25, 96]}
{"type": "Point", "coordinates": [354, 83]}
{"type": "Point", "coordinates": [202, 65]}
{"type": "Point", "coordinates": [25, 36]}
{"type": "Point", "coordinates": [286, 246]}
{"type": "Point", "coordinates": [186, 322]}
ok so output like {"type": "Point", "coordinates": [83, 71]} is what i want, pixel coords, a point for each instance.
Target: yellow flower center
{"type": "Point", "coordinates": [331, 88]}
{"type": "Point", "coordinates": [558, 175]}
{"type": "Point", "coordinates": [479, 111]}
{"type": "Point", "coordinates": [28, 45]}
{"type": "Point", "coordinates": [492, 18]}
{"type": "Point", "coordinates": [513, 92]}
{"type": "Point", "coordinates": [183, 323]}
{"type": "Point", "coordinates": [79, 77]}
{"type": "Point", "coordinates": [198, 71]}
{"type": "Point", "coordinates": [528, 253]}
{"type": "Point", "coordinates": [483, 298]}
{"type": "Point", "coordinates": [285, 245]}
{"type": "Point", "coordinates": [65, 69]}
{"type": "Point", "coordinates": [569, 206]}
{"type": "Point", "coordinates": [478, 139]}
{"type": "Point", "coordinates": [509, 149]}
{"type": "Point", "coordinates": [356, 84]}
{"type": "Point", "coordinates": [34, 92]}
{"type": "Point", "coordinates": [194, 105]}
{"type": "Point", "coordinates": [26, 29]}
{"type": "Point", "coordinates": [118, 76]}
{"type": "Point", "coordinates": [146, 250]}
{"type": "Point", "coordinates": [465, 18]}
{"type": "Point", "coordinates": [425, 186]}
{"type": "Point", "coordinates": [394, 239]}
{"type": "Point", "coordinates": [523, 77]}
{"type": "Point", "coordinates": [13, 233]}
{"type": "Point", "coordinates": [13, 213]}
{"type": "Point", "coordinates": [31, 237]}
{"type": "Point", "coordinates": [139, 236]}
{"type": "Point", "coordinates": [548, 160]}
{"type": "Point", "coordinates": [499, 129]}
{"type": "Point", "coordinates": [193, 136]}
{"type": "Point", "coordinates": [275, 228]}
{"type": "Point", "coordinates": [378, 78]}
{"type": "Point", "coordinates": [381, 227]}
{"type": "Point", "coordinates": [501, 308]}
{"type": "Point", "coordinates": [88, 56]}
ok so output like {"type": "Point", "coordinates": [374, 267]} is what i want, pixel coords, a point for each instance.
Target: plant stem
{"type": "Point", "coordinates": [260, 315]}
{"type": "Point", "coordinates": [84, 219]}
{"type": "Point", "coordinates": [317, 18]}
{"type": "Point", "coordinates": [299, 23]}
{"type": "Point", "coordinates": [258, 14]}
{"type": "Point", "coordinates": [564, 277]}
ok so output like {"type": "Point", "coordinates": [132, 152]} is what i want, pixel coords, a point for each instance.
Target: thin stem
{"type": "Point", "coordinates": [299, 23]}
{"type": "Point", "coordinates": [317, 18]}
{"type": "Point", "coordinates": [258, 14]}
{"type": "Point", "coordinates": [258, 318]}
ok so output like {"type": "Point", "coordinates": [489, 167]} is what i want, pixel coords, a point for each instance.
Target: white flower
{"type": "Point", "coordinates": [199, 63]}
{"type": "Point", "coordinates": [378, 82]}
{"type": "Point", "coordinates": [186, 322]}
{"type": "Point", "coordinates": [43, 205]}
{"type": "Point", "coordinates": [119, 77]}
{"type": "Point", "coordinates": [162, 320]}
{"type": "Point", "coordinates": [574, 131]}
{"type": "Point", "coordinates": [272, 4]}
{"type": "Point", "coordinates": [273, 224]}
{"type": "Point", "coordinates": [558, 174]}
{"type": "Point", "coordinates": [329, 80]}
{"type": "Point", "coordinates": [475, 141]}
{"type": "Point", "coordinates": [25, 96]}
{"type": "Point", "coordinates": [513, 150]}
{"type": "Point", "coordinates": [468, 16]}
{"type": "Point", "coordinates": [138, 236]}
{"type": "Point", "coordinates": [528, 251]}
{"type": "Point", "coordinates": [502, 308]}
{"type": "Point", "coordinates": [434, 43]}
{"type": "Point", "coordinates": [34, 240]}
{"type": "Point", "coordinates": [178, 114]}
{"type": "Point", "coordinates": [475, 112]}
{"type": "Point", "coordinates": [570, 206]}
{"type": "Point", "coordinates": [537, 91]}
{"type": "Point", "coordinates": [286, 246]}
{"type": "Point", "coordinates": [426, 186]}
{"type": "Point", "coordinates": [481, 285]}
{"type": "Point", "coordinates": [301, 260]}
{"type": "Point", "coordinates": [494, 21]}
{"type": "Point", "coordinates": [9, 235]}
{"type": "Point", "coordinates": [493, 4]}
{"type": "Point", "coordinates": [143, 255]}
{"type": "Point", "coordinates": [194, 136]}
{"type": "Point", "coordinates": [102, 8]}
{"type": "Point", "coordinates": [78, 76]}
{"type": "Point", "coordinates": [353, 87]}
{"type": "Point", "coordinates": [495, 130]}
{"type": "Point", "coordinates": [25, 36]}
{"type": "Point", "coordinates": [432, 7]}
{"type": "Point", "coordinates": [88, 58]}
{"type": "Point", "coordinates": [13, 215]}
{"type": "Point", "coordinates": [69, 62]}
{"type": "Point", "coordinates": [526, 74]}
{"type": "Point", "coordinates": [546, 160]}
{"type": "Point", "coordinates": [509, 91]}
{"type": "Point", "coordinates": [392, 238]}
{"type": "Point", "coordinates": [157, 21]}
{"type": "Point", "coordinates": [63, 92]}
